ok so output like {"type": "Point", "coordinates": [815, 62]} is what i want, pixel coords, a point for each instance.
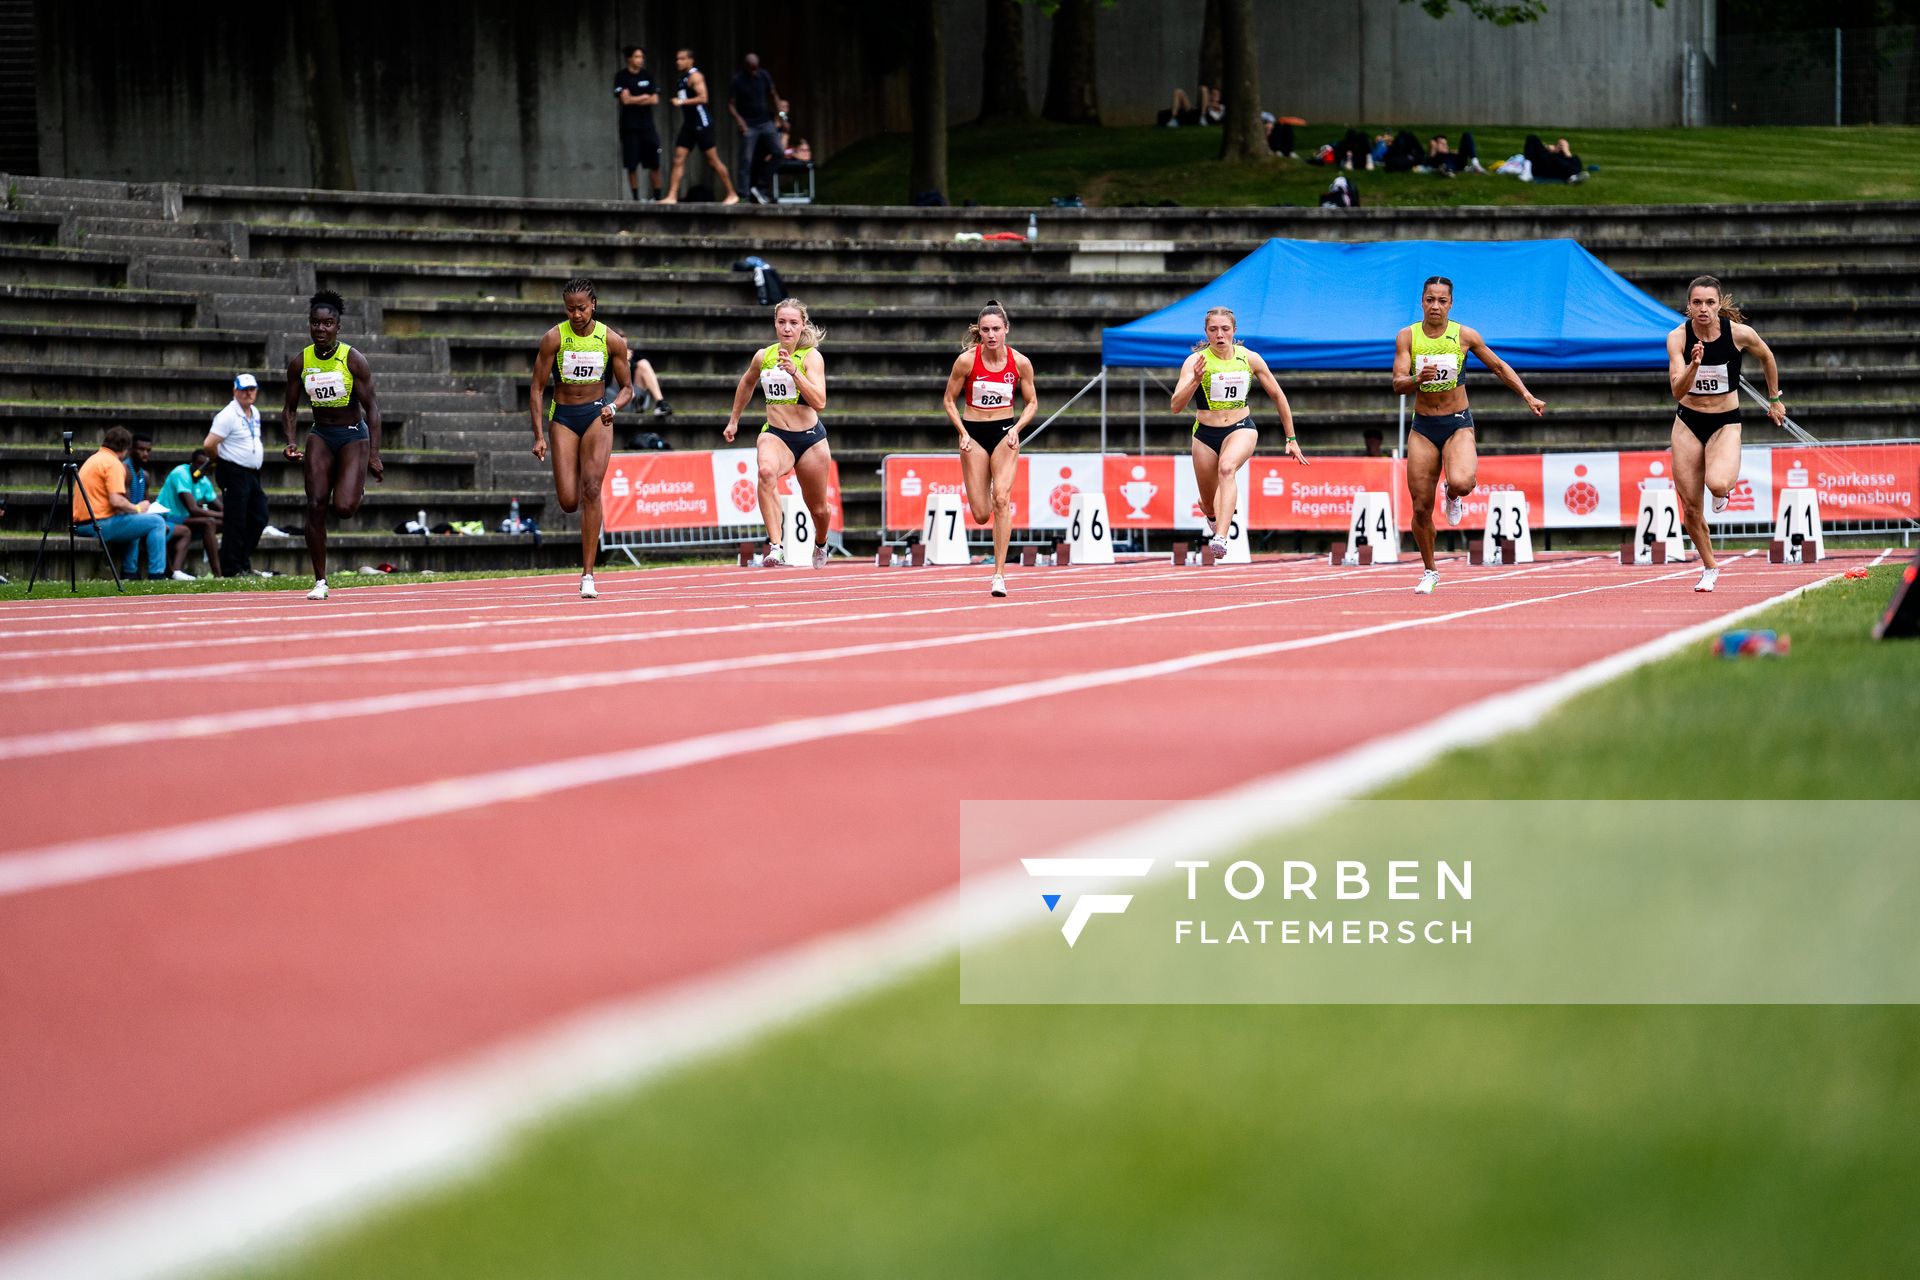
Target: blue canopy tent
{"type": "Point", "coordinates": [1309, 304]}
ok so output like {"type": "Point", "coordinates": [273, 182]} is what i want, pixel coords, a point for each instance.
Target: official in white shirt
{"type": "Point", "coordinates": [235, 445]}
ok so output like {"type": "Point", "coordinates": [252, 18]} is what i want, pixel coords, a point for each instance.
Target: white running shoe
{"type": "Point", "coordinates": [999, 587]}
{"type": "Point", "coordinates": [587, 590]}
{"type": "Point", "coordinates": [1429, 581]}
{"type": "Point", "coordinates": [819, 556]}
{"type": "Point", "coordinates": [1720, 501]}
{"type": "Point", "coordinates": [319, 591]}
{"type": "Point", "coordinates": [774, 558]}
{"type": "Point", "coordinates": [181, 575]}
{"type": "Point", "coordinates": [1217, 545]}
{"type": "Point", "coordinates": [1456, 509]}
{"type": "Point", "coordinates": [1707, 578]}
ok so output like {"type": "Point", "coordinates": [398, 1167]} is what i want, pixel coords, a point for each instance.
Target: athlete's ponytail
{"type": "Point", "coordinates": [993, 308]}
{"type": "Point", "coordinates": [328, 299]}
{"type": "Point", "coordinates": [1204, 343]}
{"type": "Point", "coordinates": [810, 334]}
{"type": "Point", "coordinates": [1728, 307]}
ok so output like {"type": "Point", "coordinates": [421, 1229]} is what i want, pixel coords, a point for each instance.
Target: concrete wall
{"type": "Point", "coordinates": [1591, 63]}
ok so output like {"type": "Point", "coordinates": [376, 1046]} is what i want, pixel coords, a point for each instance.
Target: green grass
{"type": "Point", "coordinates": [910, 1135]}
{"type": "Point", "coordinates": [1138, 165]}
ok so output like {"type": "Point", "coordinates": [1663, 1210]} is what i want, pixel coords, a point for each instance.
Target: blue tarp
{"type": "Point", "coordinates": [1312, 304]}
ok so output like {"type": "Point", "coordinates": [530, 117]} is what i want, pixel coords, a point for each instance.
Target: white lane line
{"type": "Point", "coordinates": [133, 732]}
{"type": "Point", "coordinates": [288, 1180]}
{"type": "Point", "coordinates": [71, 862]}
{"type": "Point", "coordinates": [593, 616]}
{"type": "Point", "coordinates": [262, 666]}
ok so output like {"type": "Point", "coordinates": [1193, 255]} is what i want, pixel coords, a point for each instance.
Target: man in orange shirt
{"type": "Point", "coordinates": [115, 520]}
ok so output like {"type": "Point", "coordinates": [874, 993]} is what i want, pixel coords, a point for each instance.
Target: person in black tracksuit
{"type": "Point", "coordinates": [637, 93]}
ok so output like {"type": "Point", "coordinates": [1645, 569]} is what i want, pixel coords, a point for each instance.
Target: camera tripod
{"type": "Point", "coordinates": [64, 488]}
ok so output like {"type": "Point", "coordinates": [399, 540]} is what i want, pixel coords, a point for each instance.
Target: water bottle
{"type": "Point", "coordinates": [422, 516]}
{"type": "Point", "coordinates": [513, 516]}
{"type": "Point", "coordinates": [1033, 227]}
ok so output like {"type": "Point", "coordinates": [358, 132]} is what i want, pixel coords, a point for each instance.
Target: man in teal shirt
{"type": "Point", "coordinates": [192, 499]}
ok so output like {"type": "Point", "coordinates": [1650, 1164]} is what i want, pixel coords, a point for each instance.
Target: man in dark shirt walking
{"type": "Point", "coordinates": [639, 141]}
{"type": "Point", "coordinates": [752, 99]}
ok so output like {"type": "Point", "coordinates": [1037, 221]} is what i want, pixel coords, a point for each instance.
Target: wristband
{"type": "Point", "coordinates": [1775, 398]}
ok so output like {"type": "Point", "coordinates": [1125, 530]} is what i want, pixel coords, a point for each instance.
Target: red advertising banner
{"type": "Point", "coordinates": [1564, 490]}
{"type": "Point", "coordinates": [696, 490]}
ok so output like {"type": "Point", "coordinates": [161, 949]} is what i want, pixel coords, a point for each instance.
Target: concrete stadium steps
{"type": "Point", "coordinates": [40, 303]}
{"type": "Point", "coordinates": [408, 554]}
{"type": "Point", "coordinates": [635, 289]}
{"type": "Point", "coordinates": [148, 384]}
{"type": "Point", "coordinates": [101, 202]}
{"type": "Point", "coordinates": [29, 228]}
{"type": "Point", "coordinates": [50, 345]}
{"type": "Point", "coordinates": [54, 266]}
{"type": "Point", "coordinates": [31, 466]}
{"type": "Point", "coordinates": [1712, 244]}
{"type": "Point", "coordinates": [793, 222]}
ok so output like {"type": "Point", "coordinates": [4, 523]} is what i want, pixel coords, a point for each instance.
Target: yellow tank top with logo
{"type": "Point", "coordinates": [1225, 384]}
{"type": "Point", "coordinates": [776, 384]}
{"type": "Point", "coordinates": [328, 383]}
{"type": "Point", "coordinates": [1444, 351]}
{"type": "Point", "coordinates": [582, 358]}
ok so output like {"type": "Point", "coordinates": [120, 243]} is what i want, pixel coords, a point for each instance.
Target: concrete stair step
{"type": "Point", "coordinates": [137, 246]}
{"type": "Point", "coordinates": [81, 188]}
{"type": "Point", "coordinates": [91, 206]}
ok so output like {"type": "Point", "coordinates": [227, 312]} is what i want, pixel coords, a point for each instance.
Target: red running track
{"type": "Point", "coordinates": [262, 854]}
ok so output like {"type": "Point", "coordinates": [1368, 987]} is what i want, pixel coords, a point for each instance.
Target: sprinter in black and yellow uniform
{"type": "Point", "coordinates": [793, 378]}
{"type": "Point", "coordinates": [1703, 372]}
{"type": "Point", "coordinates": [344, 445]}
{"type": "Point", "coordinates": [1430, 363]}
{"type": "Point", "coordinates": [1224, 433]}
{"type": "Point", "coordinates": [578, 355]}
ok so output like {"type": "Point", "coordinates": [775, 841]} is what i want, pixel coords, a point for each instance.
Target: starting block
{"type": "Point", "coordinates": [748, 556]}
{"type": "Point", "coordinates": [917, 556]}
{"type": "Point", "coordinates": [884, 556]}
{"type": "Point", "coordinates": [1361, 555]}
{"type": "Point", "coordinates": [1029, 557]}
{"type": "Point", "coordinates": [1063, 554]}
{"type": "Point", "coordinates": [1633, 551]}
{"type": "Point", "coordinates": [1179, 554]}
{"type": "Point", "coordinates": [1493, 551]}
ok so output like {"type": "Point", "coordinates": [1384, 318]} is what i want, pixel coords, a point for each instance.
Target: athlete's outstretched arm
{"type": "Point", "coordinates": [955, 377]}
{"type": "Point", "coordinates": [810, 380]}
{"type": "Point", "coordinates": [1028, 394]}
{"type": "Point", "coordinates": [741, 394]}
{"type": "Point", "coordinates": [1189, 380]}
{"type": "Point", "coordinates": [1271, 385]}
{"type": "Point", "coordinates": [1472, 341]}
{"type": "Point", "coordinates": [363, 391]}
{"type": "Point", "coordinates": [1404, 383]}
{"type": "Point", "coordinates": [290, 411]}
{"type": "Point", "coordinates": [537, 396]}
{"type": "Point", "coordinates": [1747, 340]}
{"type": "Point", "coordinates": [622, 373]}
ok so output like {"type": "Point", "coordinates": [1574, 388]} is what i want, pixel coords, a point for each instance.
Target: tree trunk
{"type": "Point", "coordinates": [1212, 56]}
{"type": "Point", "coordinates": [927, 95]}
{"type": "Point", "coordinates": [1003, 64]}
{"type": "Point", "coordinates": [1241, 137]}
{"type": "Point", "coordinates": [325, 87]}
{"type": "Point", "coordinates": [1071, 95]}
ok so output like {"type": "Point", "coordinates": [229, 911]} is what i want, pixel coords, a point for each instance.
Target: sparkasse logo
{"type": "Point", "coordinates": [1087, 905]}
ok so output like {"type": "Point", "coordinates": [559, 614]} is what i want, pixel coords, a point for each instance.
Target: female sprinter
{"type": "Point", "coordinates": [1442, 423]}
{"type": "Point", "coordinates": [578, 355]}
{"type": "Point", "coordinates": [991, 371]}
{"type": "Point", "coordinates": [344, 445]}
{"type": "Point", "coordinates": [793, 379]}
{"type": "Point", "coordinates": [1224, 434]}
{"type": "Point", "coordinates": [1703, 370]}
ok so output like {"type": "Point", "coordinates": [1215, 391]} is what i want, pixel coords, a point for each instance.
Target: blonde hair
{"type": "Point", "coordinates": [1204, 343]}
{"type": "Point", "coordinates": [1728, 307]}
{"type": "Point", "coordinates": [993, 308]}
{"type": "Point", "coordinates": [810, 334]}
